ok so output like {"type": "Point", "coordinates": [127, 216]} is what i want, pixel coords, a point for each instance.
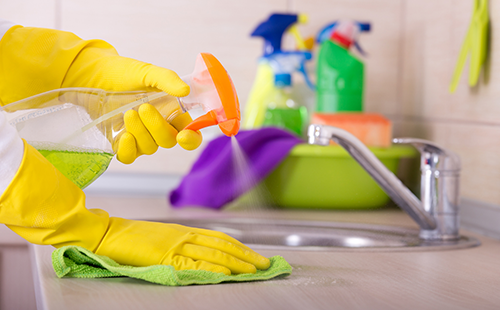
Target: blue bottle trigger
{"type": "Point", "coordinates": [272, 31]}
{"type": "Point", "coordinates": [303, 70]}
{"type": "Point", "coordinates": [289, 62]}
{"type": "Point", "coordinates": [360, 50]}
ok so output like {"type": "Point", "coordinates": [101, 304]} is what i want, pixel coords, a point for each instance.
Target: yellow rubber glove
{"type": "Point", "coordinates": [179, 246]}
{"type": "Point", "coordinates": [35, 60]}
{"type": "Point", "coordinates": [146, 129]}
{"type": "Point", "coordinates": [44, 207]}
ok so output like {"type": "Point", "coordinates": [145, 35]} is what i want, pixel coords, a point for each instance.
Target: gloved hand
{"type": "Point", "coordinates": [35, 60]}
{"type": "Point", "coordinates": [44, 207]}
{"type": "Point", "coordinates": [132, 243]}
{"type": "Point", "coordinates": [146, 129]}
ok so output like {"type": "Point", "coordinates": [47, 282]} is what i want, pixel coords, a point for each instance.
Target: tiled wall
{"type": "Point", "coordinates": [171, 33]}
{"type": "Point", "coordinates": [468, 121]}
{"type": "Point", "coordinates": [412, 50]}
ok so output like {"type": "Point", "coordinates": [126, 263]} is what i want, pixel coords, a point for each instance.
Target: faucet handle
{"type": "Point", "coordinates": [440, 173]}
{"type": "Point", "coordinates": [433, 156]}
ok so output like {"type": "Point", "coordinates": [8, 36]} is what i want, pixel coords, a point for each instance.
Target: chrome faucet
{"type": "Point", "coordinates": [437, 210]}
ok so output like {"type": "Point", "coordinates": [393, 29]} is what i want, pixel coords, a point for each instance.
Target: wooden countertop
{"type": "Point", "coordinates": [456, 279]}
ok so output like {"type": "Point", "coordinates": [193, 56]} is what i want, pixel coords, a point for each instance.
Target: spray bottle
{"type": "Point", "coordinates": [267, 103]}
{"type": "Point", "coordinates": [77, 129]}
{"type": "Point", "coordinates": [283, 107]}
{"type": "Point", "coordinates": [340, 74]}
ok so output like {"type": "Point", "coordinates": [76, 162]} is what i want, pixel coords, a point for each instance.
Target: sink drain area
{"type": "Point", "coordinates": [323, 236]}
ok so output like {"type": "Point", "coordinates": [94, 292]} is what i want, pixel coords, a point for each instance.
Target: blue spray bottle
{"type": "Point", "coordinates": [271, 101]}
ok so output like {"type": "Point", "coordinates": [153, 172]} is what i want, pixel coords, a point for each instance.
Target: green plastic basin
{"type": "Point", "coordinates": [327, 177]}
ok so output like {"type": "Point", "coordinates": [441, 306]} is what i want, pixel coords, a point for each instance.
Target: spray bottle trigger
{"type": "Point", "coordinates": [360, 50]}
{"type": "Point", "coordinates": [363, 27]}
{"type": "Point", "coordinates": [302, 70]}
{"type": "Point", "coordinates": [206, 120]}
{"type": "Point", "coordinates": [229, 127]}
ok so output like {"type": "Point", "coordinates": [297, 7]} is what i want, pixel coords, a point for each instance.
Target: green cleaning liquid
{"type": "Point", "coordinates": [283, 108]}
{"type": "Point", "coordinates": [289, 118]}
{"type": "Point", "coordinates": [80, 167]}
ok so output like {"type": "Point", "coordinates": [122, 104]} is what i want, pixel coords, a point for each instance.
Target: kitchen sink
{"type": "Point", "coordinates": [323, 236]}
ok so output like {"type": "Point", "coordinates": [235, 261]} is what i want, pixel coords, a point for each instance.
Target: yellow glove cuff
{"type": "Point", "coordinates": [35, 60]}
{"type": "Point", "coordinates": [44, 207]}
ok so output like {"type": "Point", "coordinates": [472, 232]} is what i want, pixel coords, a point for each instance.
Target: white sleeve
{"type": "Point", "coordinates": [11, 152]}
{"type": "Point", "coordinates": [11, 145]}
{"type": "Point", "coordinates": [5, 25]}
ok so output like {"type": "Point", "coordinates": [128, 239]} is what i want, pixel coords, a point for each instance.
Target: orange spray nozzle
{"type": "Point", "coordinates": [230, 127]}
{"type": "Point", "coordinates": [221, 101]}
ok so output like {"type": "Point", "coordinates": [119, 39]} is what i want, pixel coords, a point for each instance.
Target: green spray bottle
{"type": "Point", "coordinates": [340, 74]}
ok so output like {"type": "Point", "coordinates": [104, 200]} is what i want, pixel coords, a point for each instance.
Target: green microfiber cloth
{"type": "Point", "coordinates": [78, 262]}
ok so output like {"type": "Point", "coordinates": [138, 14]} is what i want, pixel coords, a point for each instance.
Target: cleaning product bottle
{"type": "Point", "coordinates": [283, 107]}
{"type": "Point", "coordinates": [282, 110]}
{"type": "Point", "coordinates": [76, 129]}
{"type": "Point", "coordinates": [340, 74]}
{"type": "Point", "coordinates": [271, 65]}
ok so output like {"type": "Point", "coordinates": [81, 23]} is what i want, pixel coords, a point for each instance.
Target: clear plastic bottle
{"type": "Point", "coordinates": [77, 129]}
{"type": "Point", "coordinates": [283, 109]}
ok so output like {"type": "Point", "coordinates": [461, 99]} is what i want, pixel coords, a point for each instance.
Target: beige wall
{"type": "Point", "coordinates": [467, 121]}
{"type": "Point", "coordinates": [412, 51]}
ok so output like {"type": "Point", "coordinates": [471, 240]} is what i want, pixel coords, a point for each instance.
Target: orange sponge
{"type": "Point", "coordinates": [372, 129]}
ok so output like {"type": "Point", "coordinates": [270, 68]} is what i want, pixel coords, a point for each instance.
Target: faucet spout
{"type": "Point", "coordinates": [437, 213]}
